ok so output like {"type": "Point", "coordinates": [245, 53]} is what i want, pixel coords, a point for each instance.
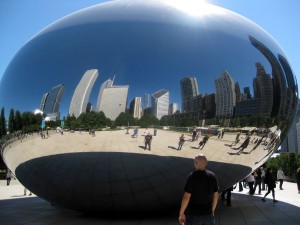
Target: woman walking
{"type": "Point", "coordinates": [271, 183]}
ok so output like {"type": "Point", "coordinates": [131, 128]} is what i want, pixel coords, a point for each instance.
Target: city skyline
{"type": "Point", "coordinates": [169, 62]}
{"type": "Point", "coordinates": [244, 104]}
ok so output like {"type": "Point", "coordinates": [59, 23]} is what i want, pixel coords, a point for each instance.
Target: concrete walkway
{"type": "Point", "coordinates": [17, 209]}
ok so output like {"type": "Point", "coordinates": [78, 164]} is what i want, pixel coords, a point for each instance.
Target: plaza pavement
{"type": "Point", "coordinates": [17, 209]}
{"type": "Point", "coordinates": [249, 210]}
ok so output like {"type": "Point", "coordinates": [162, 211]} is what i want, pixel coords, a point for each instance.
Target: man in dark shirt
{"type": "Point", "coordinates": [148, 140]}
{"type": "Point", "coordinates": [201, 195]}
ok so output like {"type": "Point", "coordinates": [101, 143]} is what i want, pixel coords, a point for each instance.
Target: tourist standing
{"type": "Point", "coordinates": [257, 178]}
{"type": "Point", "coordinates": [181, 141]}
{"type": "Point", "coordinates": [148, 140]}
{"type": "Point", "coordinates": [200, 195]}
{"type": "Point", "coordinates": [194, 135]}
{"type": "Point", "coordinates": [250, 180]}
{"type": "Point", "coordinates": [263, 174]}
{"type": "Point", "coordinates": [280, 177]}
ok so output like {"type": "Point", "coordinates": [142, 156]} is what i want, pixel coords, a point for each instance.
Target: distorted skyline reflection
{"type": "Point", "coordinates": [214, 74]}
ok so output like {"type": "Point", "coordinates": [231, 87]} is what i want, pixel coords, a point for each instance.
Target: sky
{"type": "Point", "coordinates": [21, 20]}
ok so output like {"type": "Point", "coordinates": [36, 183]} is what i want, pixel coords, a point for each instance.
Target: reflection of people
{"type": "Point", "coordinates": [280, 177]}
{"type": "Point", "coordinates": [198, 134]}
{"type": "Point", "coordinates": [270, 181]}
{"type": "Point", "coordinates": [25, 191]}
{"type": "Point", "coordinates": [148, 140]}
{"type": "Point", "coordinates": [9, 175]}
{"type": "Point", "coordinates": [237, 139]}
{"type": "Point", "coordinates": [181, 141]}
{"type": "Point", "coordinates": [203, 142]}
{"type": "Point", "coordinates": [200, 195]}
{"type": "Point", "coordinates": [135, 133]}
{"type": "Point", "coordinates": [244, 145]}
{"type": "Point", "coordinates": [146, 132]}
{"type": "Point", "coordinates": [194, 135]}
{"type": "Point", "coordinates": [257, 143]}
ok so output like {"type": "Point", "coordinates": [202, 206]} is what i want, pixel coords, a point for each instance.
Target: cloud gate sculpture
{"type": "Point", "coordinates": [191, 67]}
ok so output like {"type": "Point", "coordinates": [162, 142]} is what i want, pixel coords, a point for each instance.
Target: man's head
{"type": "Point", "coordinates": [200, 162]}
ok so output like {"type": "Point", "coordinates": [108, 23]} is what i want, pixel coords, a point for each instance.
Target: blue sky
{"type": "Point", "coordinates": [20, 20]}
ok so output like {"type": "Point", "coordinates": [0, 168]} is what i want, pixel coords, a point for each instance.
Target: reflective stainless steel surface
{"type": "Point", "coordinates": [230, 78]}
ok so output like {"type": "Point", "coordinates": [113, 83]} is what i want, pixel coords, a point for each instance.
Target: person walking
{"type": "Point", "coordinates": [237, 139]}
{"type": "Point", "coordinates": [148, 140]}
{"type": "Point", "coordinates": [271, 183]}
{"type": "Point", "coordinates": [257, 177]}
{"type": "Point", "coordinates": [203, 142]}
{"type": "Point", "coordinates": [263, 175]}
{"type": "Point", "coordinates": [298, 179]}
{"type": "Point", "coordinates": [9, 175]}
{"type": "Point", "coordinates": [250, 180]}
{"type": "Point", "coordinates": [181, 141]}
{"type": "Point", "coordinates": [25, 191]}
{"type": "Point", "coordinates": [243, 145]}
{"type": "Point", "coordinates": [280, 177]}
{"type": "Point", "coordinates": [200, 195]}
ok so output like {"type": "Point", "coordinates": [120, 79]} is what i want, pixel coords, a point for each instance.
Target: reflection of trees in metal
{"type": "Point", "coordinates": [254, 92]}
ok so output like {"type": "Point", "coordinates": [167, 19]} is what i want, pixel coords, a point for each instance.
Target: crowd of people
{"type": "Point", "coordinates": [201, 190]}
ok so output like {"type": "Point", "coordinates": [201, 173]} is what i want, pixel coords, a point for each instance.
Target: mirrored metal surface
{"type": "Point", "coordinates": [197, 70]}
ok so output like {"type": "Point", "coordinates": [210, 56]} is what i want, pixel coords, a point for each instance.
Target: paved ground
{"type": "Point", "coordinates": [17, 209]}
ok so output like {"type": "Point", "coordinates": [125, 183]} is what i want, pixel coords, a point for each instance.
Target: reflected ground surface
{"type": "Point", "coordinates": [148, 46]}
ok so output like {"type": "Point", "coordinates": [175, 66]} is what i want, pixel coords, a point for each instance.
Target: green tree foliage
{"type": "Point", "coordinates": [18, 120]}
{"type": "Point", "coordinates": [2, 123]}
{"type": "Point", "coordinates": [70, 122]}
{"type": "Point", "coordinates": [148, 120]}
{"type": "Point", "coordinates": [289, 162]}
{"type": "Point", "coordinates": [125, 119]}
{"type": "Point", "coordinates": [31, 122]}
{"type": "Point", "coordinates": [11, 121]}
{"type": "Point", "coordinates": [90, 120]}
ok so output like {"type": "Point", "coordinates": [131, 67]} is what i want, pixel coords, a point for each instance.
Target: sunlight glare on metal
{"type": "Point", "coordinates": [196, 8]}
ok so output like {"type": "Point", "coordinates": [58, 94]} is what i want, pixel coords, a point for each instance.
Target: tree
{"type": "Point", "coordinates": [31, 122]}
{"type": "Point", "coordinates": [2, 123]}
{"type": "Point", "coordinates": [125, 119]}
{"type": "Point", "coordinates": [11, 121]}
{"type": "Point", "coordinates": [148, 120]}
{"type": "Point", "coordinates": [18, 120]}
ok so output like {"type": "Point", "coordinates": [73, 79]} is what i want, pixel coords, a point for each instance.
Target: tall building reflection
{"type": "Point", "coordinates": [51, 101]}
{"type": "Point", "coordinates": [107, 83]}
{"type": "Point", "coordinates": [112, 99]}
{"type": "Point", "coordinates": [82, 93]}
{"type": "Point", "coordinates": [189, 90]}
{"type": "Point", "coordinates": [160, 103]}
{"type": "Point", "coordinates": [279, 81]}
{"type": "Point", "coordinates": [136, 107]}
{"type": "Point", "coordinates": [273, 95]}
{"type": "Point", "coordinates": [225, 95]}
